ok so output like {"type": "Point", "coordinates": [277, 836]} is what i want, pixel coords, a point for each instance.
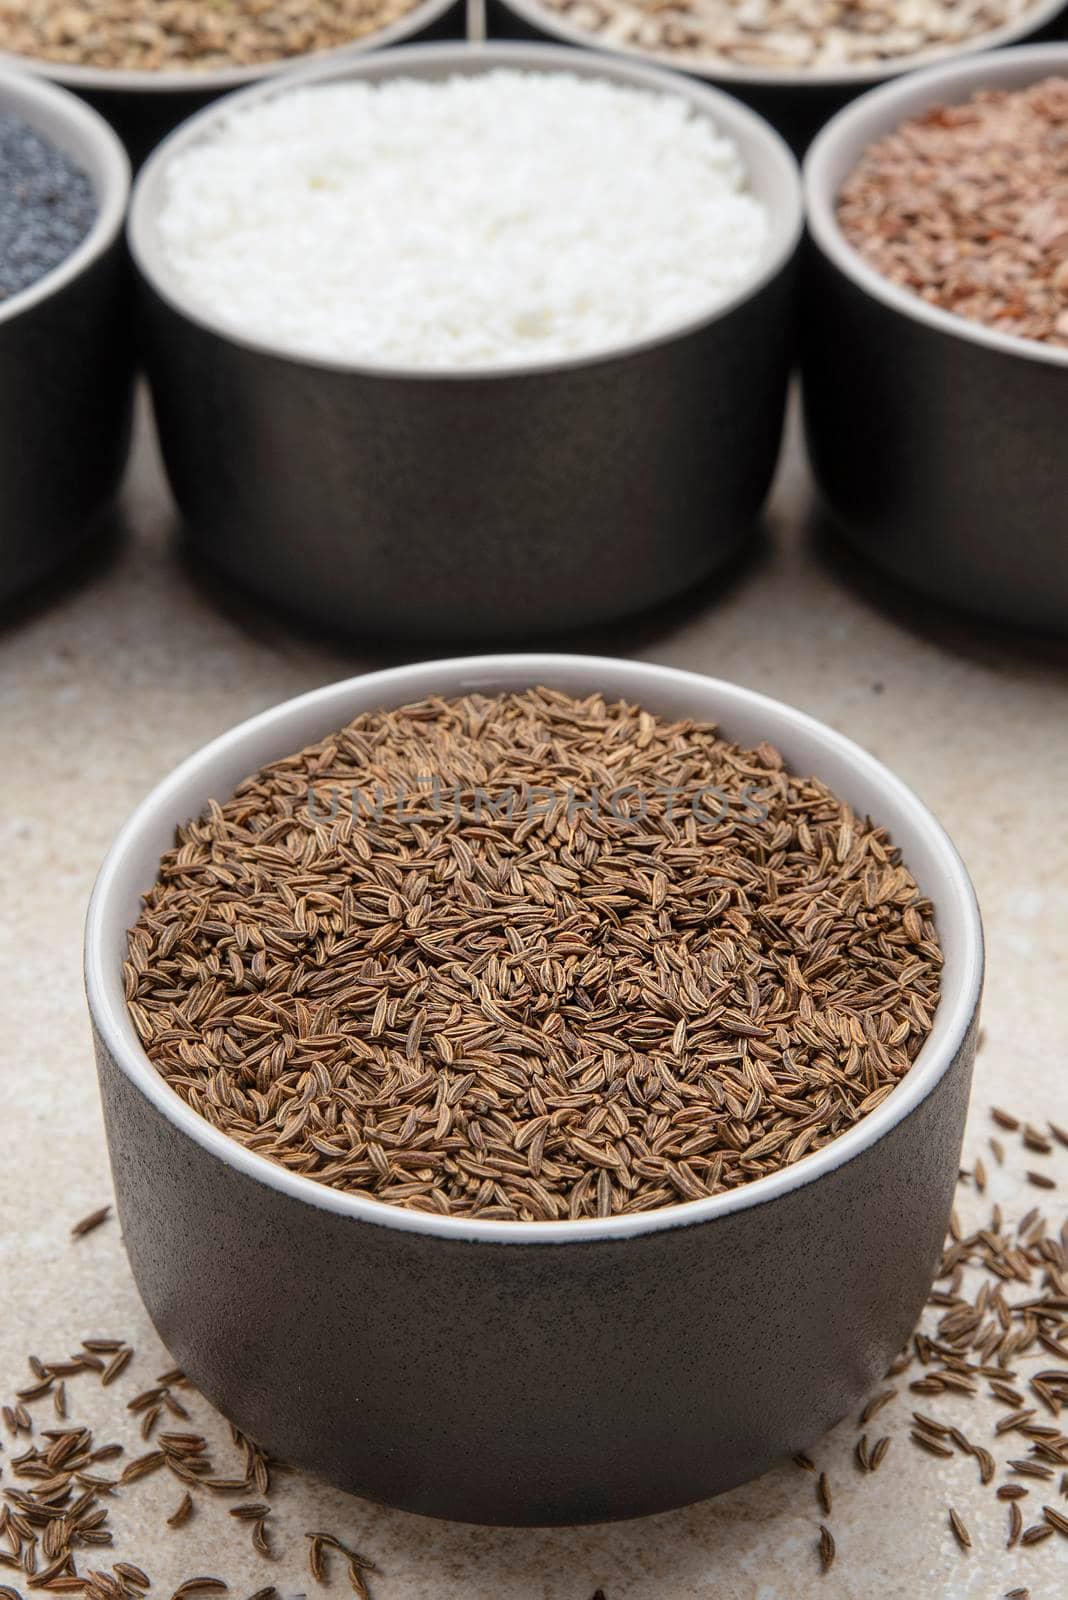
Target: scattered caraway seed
{"type": "Point", "coordinates": [1057, 1520]}
{"type": "Point", "coordinates": [875, 1405]}
{"type": "Point", "coordinates": [878, 1451]}
{"type": "Point", "coordinates": [1015, 1525]}
{"type": "Point", "coordinates": [804, 1462]}
{"type": "Point", "coordinates": [960, 1532]}
{"type": "Point", "coordinates": [1039, 1179]}
{"type": "Point", "coordinates": [823, 1494]}
{"type": "Point", "coordinates": [134, 1575]}
{"type": "Point", "coordinates": [1018, 1594]}
{"type": "Point", "coordinates": [93, 1220]}
{"type": "Point", "coordinates": [495, 1112]}
{"type": "Point", "coordinates": [184, 1510]}
{"type": "Point", "coordinates": [118, 1363]}
{"type": "Point", "coordinates": [200, 1586]}
{"type": "Point", "coordinates": [1036, 1534]}
{"type": "Point", "coordinates": [827, 1548]}
{"type": "Point", "coordinates": [1012, 1491]}
{"type": "Point", "coordinates": [269, 1593]}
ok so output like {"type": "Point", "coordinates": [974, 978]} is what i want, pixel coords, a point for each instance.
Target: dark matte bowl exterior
{"type": "Point", "coordinates": [516, 1373]}
{"type": "Point", "coordinates": [938, 447]}
{"type": "Point", "coordinates": [66, 371]}
{"type": "Point", "coordinates": [534, 1383]}
{"type": "Point", "coordinates": [496, 507]}
{"type": "Point", "coordinates": [470, 505]}
{"type": "Point", "coordinates": [144, 108]}
{"type": "Point", "coordinates": [798, 105]}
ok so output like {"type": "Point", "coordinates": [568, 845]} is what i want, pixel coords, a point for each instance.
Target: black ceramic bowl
{"type": "Point", "coordinates": [489, 502]}
{"type": "Point", "coordinates": [143, 107]}
{"type": "Point", "coordinates": [938, 443]}
{"type": "Point", "coordinates": [797, 103]}
{"type": "Point", "coordinates": [517, 1372]}
{"type": "Point", "coordinates": [65, 364]}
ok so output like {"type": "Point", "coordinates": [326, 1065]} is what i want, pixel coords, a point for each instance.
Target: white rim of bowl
{"type": "Point", "coordinates": [748, 129]}
{"type": "Point", "coordinates": [1045, 11]}
{"type": "Point", "coordinates": [879, 113]}
{"type": "Point", "coordinates": [190, 80]}
{"type": "Point", "coordinates": [395, 686]}
{"type": "Point", "coordinates": [22, 95]}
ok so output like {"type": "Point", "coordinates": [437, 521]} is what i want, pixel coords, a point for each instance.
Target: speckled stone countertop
{"type": "Point", "coordinates": [109, 679]}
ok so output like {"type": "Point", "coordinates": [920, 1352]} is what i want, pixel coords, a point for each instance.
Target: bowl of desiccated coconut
{"type": "Point", "coordinates": [148, 64]}
{"type": "Point", "coordinates": [795, 62]}
{"type": "Point", "coordinates": [935, 354]}
{"type": "Point", "coordinates": [534, 1084]}
{"type": "Point", "coordinates": [469, 343]}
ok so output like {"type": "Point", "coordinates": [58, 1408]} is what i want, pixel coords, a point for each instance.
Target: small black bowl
{"type": "Point", "coordinates": [493, 502]}
{"type": "Point", "coordinates": [523, 1372]}
{"type": "Point", "coordinates": [144, 107]}
{"type": "Point", "coordinates": [796, 102]}
{"type": "Point", "coordinates": [938, 443]}
{"type": "Point", "coordinates": [66, 368]}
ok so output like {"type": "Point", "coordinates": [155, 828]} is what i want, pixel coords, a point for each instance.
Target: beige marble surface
{"type": "Point", "coordinates": [109, 680]}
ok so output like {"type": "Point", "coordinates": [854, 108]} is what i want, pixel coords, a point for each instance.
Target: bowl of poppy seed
{"type": "Point", "coordinates": [147, 65]}
{"type": "Point", "coordinates": [539, 1098]}
{"type": "Point", "coordinates": [794, 62]}
{"type": "Point", "coordinates": [65, 364]}
{"type": "Point", "coordinates": [935, 351]}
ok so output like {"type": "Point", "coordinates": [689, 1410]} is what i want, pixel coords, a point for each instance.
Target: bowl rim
{"type": "Point", "coordinates": [395, 686]}
{"type": "Point", "coordinates": [217, 80]}
{"type": "Point", "coordinates": [837, 148]}
{"type": "Point", "coordinates": [1038, 15]}
{"type": "Point", "coordinates": [23, 95]}
{"type": "Point", "coordinates": [750, 131]}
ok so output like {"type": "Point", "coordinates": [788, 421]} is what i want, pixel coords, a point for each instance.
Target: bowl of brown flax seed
{"type": "Point", "coordinates": [935, 342]}
{"type": "Point", "coordinates": [147, 65]}
{"type": "Point", "coordinates": [538, 1100]}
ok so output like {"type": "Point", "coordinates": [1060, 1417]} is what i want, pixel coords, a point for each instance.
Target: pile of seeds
{"type": "Point", "coordinates": [545, 216]}
{"type": "Point", "coordinates": [529, 957]}
{"type": "Point", "coordinates": [791, 35]}
{"type": "Point", "coordinates": [62, 1516]}
{"type": "Point", "coordinates": [978, 1338]}
{"type": "Point", "coordinates": [967, 206]}
{"type": "Point", "coordinates": [176, 35]}
{"type": "Point", "coordinates": [47, 206]}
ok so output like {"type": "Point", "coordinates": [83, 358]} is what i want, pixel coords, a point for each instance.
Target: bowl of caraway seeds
{"type": "Point", "coordinates": [936, 332]}
{"type": "Point", "coordinates": [469, 343]}
{"type": "Point", "coordinates": [795, 62]}
{"type": "Point", "coordinates": [146, 65]}
{"type": "Point", "coordinates": [534, 1084]}
{"type": "Point", "coordinates": [65, 366]}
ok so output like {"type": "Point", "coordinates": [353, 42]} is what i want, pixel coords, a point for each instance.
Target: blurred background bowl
{"type": "Point", "coordinates": [524, 1372]}
{"type": "Point", "coordinates": [797, 103]}
{"type": "Point", "coordinates": [66, 371]}
{"type": "Point", "coordinates": [939, 444]}
{"type": "Point", "coordinates": [489, 502]}
{"type": "Point", "coordinates": [143, 107]}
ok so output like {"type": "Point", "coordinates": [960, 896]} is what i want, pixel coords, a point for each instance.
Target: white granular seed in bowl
{"type": "Point", "coordinates": [495, 219]}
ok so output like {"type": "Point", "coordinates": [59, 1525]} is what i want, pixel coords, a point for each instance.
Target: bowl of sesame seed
{"type": "Point", "coordinates": [534, 1084]}
{"type": "Point", "coordinates": [935, 348]}
{"type": "Point", "coordinates": [794, 61]}
{"type": "Point", "coordinates": [65, 358]}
